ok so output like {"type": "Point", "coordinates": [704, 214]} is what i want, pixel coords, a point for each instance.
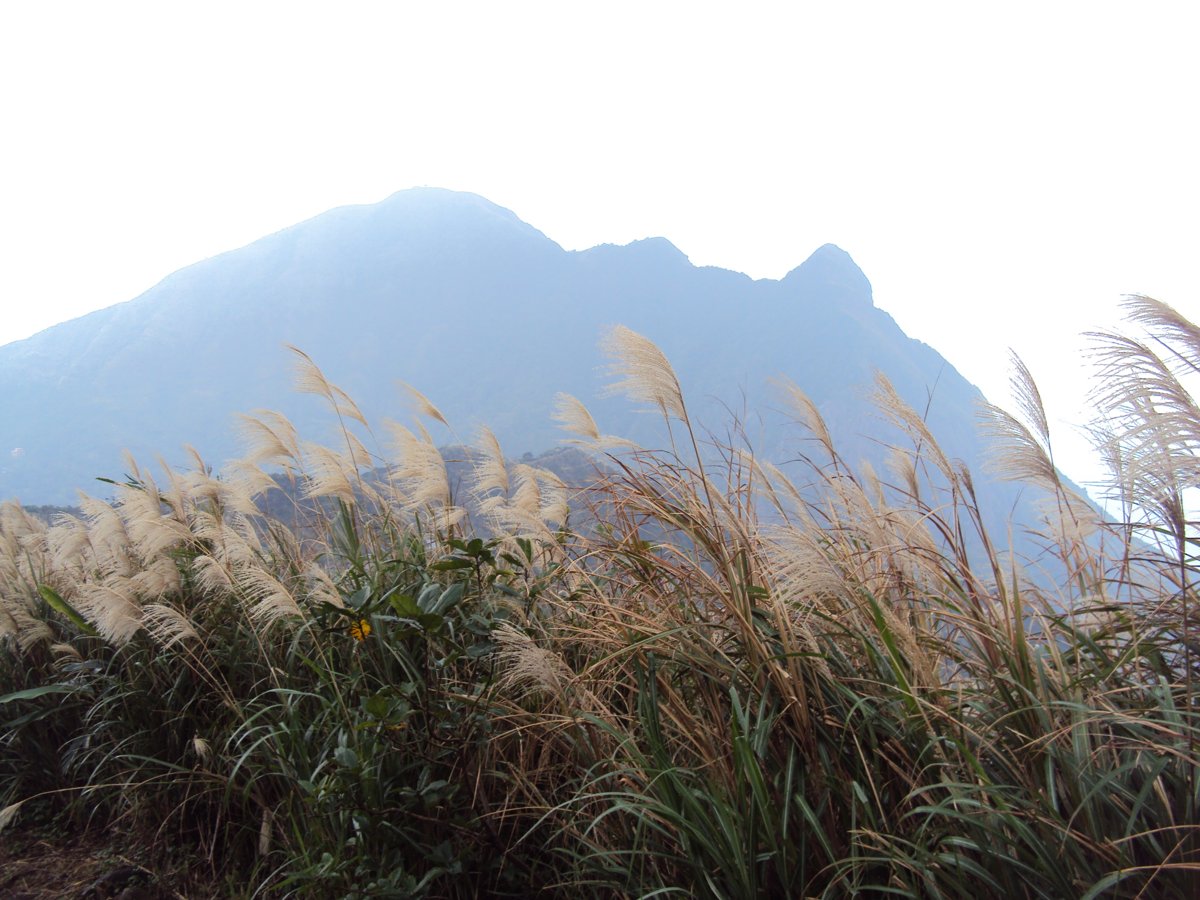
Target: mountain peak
{"type": "Point", "coordinates": [435, 208]}
{"type": "Point", "coordinates": [643, 251]}
{"type": "Point", "coordinates": [831, 270]}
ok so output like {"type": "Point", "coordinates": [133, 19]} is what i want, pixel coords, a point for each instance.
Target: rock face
{"type": "Point", "coordinates": [477, 309]}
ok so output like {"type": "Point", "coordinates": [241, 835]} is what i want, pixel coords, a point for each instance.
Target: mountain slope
{"type": "Point", "coordinates": [477, 309]}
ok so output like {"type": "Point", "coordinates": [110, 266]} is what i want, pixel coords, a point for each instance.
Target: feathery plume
{"type": "Point", "coordinates": [202, 749]}
{"type": "Point", "coordinates": [1016, 453]}
{"type": "Point", "coordinates": [8, 815]}
{"type": "Point", "coordinates": [422, 405]}
{"type": "Point", "coordinates": [111, 606]}
{"type": "Point", "coordinates": [895, 409]}
{"type": "Point", "coordinates": [150, 530]}
{"type": "Point", "coordinates": [1168, 327]}
{"type": "Point", "coordinates": [421, 468]}
{"type": "Point", "coordinates": [244, 482]}
{"type": "Point", "coordinates": [528, 669]}
{"type": "Point", "coordinates": [269, 437]}
{"type": "Point", "coordinates": [330, 474]}
{"type": "Point", "coordinates": [156, 578]}
{"type": "Point", "coordinates": [321, 588]}
{"type": "Point", "coordinates": [574, 417]}
{"type": "Point", "coordinates": [644, 372]}
{"type": "Point", "coordinates": [490, 470]}
{"type": "Point", "coordinates": [270, 600]}
{"type": "Point", "coordinates": [307, 378]}
{"type": "Point", "coordinates": [807, 413]}
{"type": "Point", "coordinates": [212, 576]}
{"type": "Point", "coordinates": [167, 625]}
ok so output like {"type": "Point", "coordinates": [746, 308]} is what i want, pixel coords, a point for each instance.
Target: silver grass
{"type": "Point", "coordinates": [156, 579]}
{"type": "Point", "coordinates": [202, 749]}
{"type": "Point", "coordinates": [803, 572]}
{"type": "Point", "coordinates": [212, 576]}
{"type": "Point", "coordinates": [807, 413]}
{"type": "Point", "coordinates": [1167, 327]}
{"type": "Point", "coordinates": [1135, 381]}
{"type": "Point", "coordinates": [8, 815]}
{"type": "Point", "coordinates": [269, 437]}
{"type": "Point", "coordinates": [234, 543]}
{"type": "Point", "coordinates": [135, 472]}
{"type": "Point", "coordinates": [357, 451]}
{"type": "Point", "coordinates": [1029, 399]}
{"type": "Point", "coordinates": [1016, 453]}
{"type": "Point", "coordinates": [321, 588]}
{"type": "Point", "coordinates": [66, 653]}
{"type": "Point", "coordinates": [193, 456]}
{"type": "Point", "coordinates": [208, 525]}
{"type": "Point", "coordinates": [779, 481]}
{"type": "Point", "coordinates": [30, 630]}
{"type": "Point", "coordinates": [574, 417]}
{"type": "Point", "coordinates": [490, 472]}
{"type": "Point", "coordinates": [174, 494]}
{"type": "Point", "coordinates": [167, 626]}
{"type": "Point", "coordinates": [16, 521]}
{"type": "Point", "coordinates": [203, 490]}
{"type": "Point", "coordinates": [8, 623]}
{"type": "Point", "coordinates": [896, 410]}
{"type": "Point", "coordinates": [330, 474]}
{"type": "Point", "coordinates": [243, 483]}
{"type": "Point", "coordinates": [67, 540]}
{"type": "Point", "coordinates": [528, 670]}
{"type": "Point", "coordinates": [247, 536]}
{"type": "Point", "coordinates": [307, 378]}
{"type": "Point", "coordinates": [644, 374]}
{"type": "Point", "coordinates": [270, 601]}
{"type": "Point", "coordinates": [791, 590]}
{"type": "Point", "coordinates": [111, 607]}
{"type": "Point", "coordinates": [151, 532]}
{"type": "Point", "coordinates": [527, 498]}
{"type": "Point", "coordinates": [420, 467]}
{"type": "Point", "coordinates": [1073, 519]}
{"type": "Point", "coordinates": [106, 529]}
{"type": "Point", "coordinates": [537, 505]}
{"type": "Point", "coordinates": [555, 505]}
{"type": "Point", "coordinates": [422, 404]}
{"type": "Point", "coordinates": [903, 466]}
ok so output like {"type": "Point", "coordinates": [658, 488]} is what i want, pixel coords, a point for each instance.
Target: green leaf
{"type": "Point", "coordinates": [35, 692]}
{"type": "Point", "coordinates": [433, 601]}
{"type": "Point", "coordinates": [1108, 881]}
{"type": "Point", "coordinates": [346, 757]}
{"type": "Point", "coordinates": [405, 606]}
{"type": "Point", "coordinates": [359, 598]}
{"type": "Point", "coordinates": [378, 706]}
{"type": "Point", "coordinates": [58, 604]}
{"type": "Point", "coordinates": [431, 621]}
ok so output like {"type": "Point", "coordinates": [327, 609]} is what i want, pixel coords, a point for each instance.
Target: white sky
{"type": "Point", "coordinates": [1002, 173]}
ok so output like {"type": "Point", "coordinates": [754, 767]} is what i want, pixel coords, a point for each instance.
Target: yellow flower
{"type": "Point", "coordinates": [360, 629]}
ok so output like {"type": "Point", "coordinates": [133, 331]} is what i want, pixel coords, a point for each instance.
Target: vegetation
{"type": "Point", "coordinates": [699, 676]}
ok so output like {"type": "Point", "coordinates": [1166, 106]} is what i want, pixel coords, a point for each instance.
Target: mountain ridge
{"type": "Point", "coordinates": [461, 298]}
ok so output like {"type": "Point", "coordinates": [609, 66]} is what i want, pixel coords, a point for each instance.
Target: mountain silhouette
{"type": "Point", "coordinates": [480, 311]}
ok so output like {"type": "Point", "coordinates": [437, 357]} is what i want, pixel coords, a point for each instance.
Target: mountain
{"type": "Point", "coordinates": [480, 311]}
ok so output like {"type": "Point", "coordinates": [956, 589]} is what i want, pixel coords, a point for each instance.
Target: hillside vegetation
{"type": "Point", "coordinates": [698, 675]}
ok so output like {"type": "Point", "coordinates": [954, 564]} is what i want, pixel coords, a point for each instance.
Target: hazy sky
{"type": "Point", "coordinates": [1001, 172]}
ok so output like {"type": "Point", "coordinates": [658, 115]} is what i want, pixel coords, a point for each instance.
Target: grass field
{"type": "Point", "coordinates": [697, 674]}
